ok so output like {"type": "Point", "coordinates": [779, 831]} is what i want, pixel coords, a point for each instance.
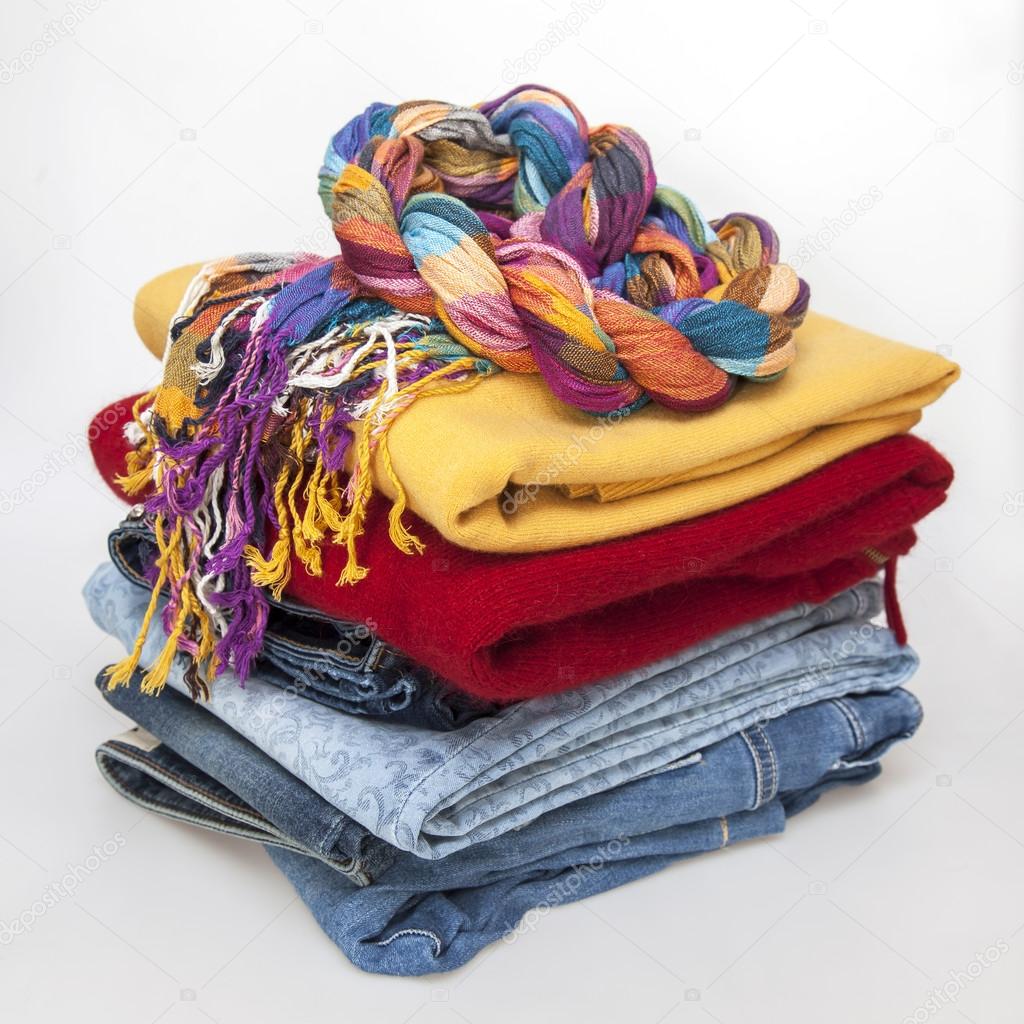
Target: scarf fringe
{"type": "Point", "coordinates": [212, 493]}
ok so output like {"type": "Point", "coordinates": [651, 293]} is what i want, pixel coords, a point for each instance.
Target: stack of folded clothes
{"type": "Point", "coordinates": [522, 549]}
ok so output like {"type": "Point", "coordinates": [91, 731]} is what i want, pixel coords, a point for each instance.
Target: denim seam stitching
{"type": "Point", "coordinates": [155, 771]}
{"type": "Point", "coordinates": [775, 765]}
{"type": "Point", "coordinates": [198, 820]}
{"type": "Point", "coordinates": [755, 755]}
{"type": "Point", "coordinates": [347, 866]}
{"type": "Point", "coordinates": [236, 831]}
{"type": "Point", "coordinates": [751, 701]}
{"type": "Point", "coordinates": [438, 947]}
{"type": "Point", "coordinates": [749, 704]}
{"type": "Point", "coordinates": [918, 707]}
{"type": "Point", "coordinates": [577, 761]}
{"type": "Point", "coordinates": [564, 724]}
{"type": "Point", "coordinates": [856, 726]}
{"type": "Point", "coordinates": [772, 786]}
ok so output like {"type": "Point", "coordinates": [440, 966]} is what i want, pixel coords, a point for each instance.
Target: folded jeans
{"type": "Point", "coordinates": [391, 912]}
{"type": "Point", "coordinates": [445, 791]}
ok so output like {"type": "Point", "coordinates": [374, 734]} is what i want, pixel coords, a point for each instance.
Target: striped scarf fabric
{"type": "Point", "coordinates": [505, 237]}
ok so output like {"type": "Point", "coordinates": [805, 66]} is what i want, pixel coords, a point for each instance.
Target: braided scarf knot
{"type": "Point", "coordinates": [613, 289]}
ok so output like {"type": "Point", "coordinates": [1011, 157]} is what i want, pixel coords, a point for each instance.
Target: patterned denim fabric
{"type": "Point", "coordinates": [433, 793]}
{"type": "Point", "coordinates": [418, 916]}
{"type": "Point", "coordinates": [341, 665]}
{"type": "Point", "coordinates": [235, 787]}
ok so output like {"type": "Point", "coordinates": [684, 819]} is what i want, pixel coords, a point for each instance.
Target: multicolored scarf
{"type": "Point", "coordinates": [509, 236]}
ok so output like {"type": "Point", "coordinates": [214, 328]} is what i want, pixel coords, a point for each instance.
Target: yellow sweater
{"type": "Point", "coordinates": [505, 466]}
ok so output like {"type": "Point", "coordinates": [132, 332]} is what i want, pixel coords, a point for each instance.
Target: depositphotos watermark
{"type": "Point", "coordinates": [950, 992]}
{"type": "Point", "coordinates": [558, 32]}
{"type": "Point", "coordinates": [53, 32]}
{"type": "Point", "coordinates": [574, 451]}
{"type": "Point", "coordinates": [566, 887]}
{"type": "Point", "coordinates": [815, 676]}
{"type": "Point", "coordinates": [56, 892]}
{"type": "Point", "coordinates": [1013, 502]}
{"type": "Point", "coordinates": [832, 227]}
{"type": "Point", "coordinates": [57, 460]}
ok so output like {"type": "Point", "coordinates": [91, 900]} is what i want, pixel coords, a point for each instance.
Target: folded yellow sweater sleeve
{"type": "Point", "coordinates": [505, 466]}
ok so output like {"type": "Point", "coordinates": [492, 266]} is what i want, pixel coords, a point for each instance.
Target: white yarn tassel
{"type": "Point", "coordinates": [208, 525]}
{"type": "Point", "coordinates": [208, 371]}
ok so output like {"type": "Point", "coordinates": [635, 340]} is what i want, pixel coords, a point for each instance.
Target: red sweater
{"type": "Point", "coordinates": [505, 627]}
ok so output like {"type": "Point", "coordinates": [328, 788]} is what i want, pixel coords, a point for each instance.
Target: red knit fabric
{"type": "Point", "coordinates": [505, 627]}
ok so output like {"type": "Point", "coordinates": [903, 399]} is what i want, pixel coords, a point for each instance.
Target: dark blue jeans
{"type": "Point", "coordinates": [393, 913]}
{"type": "Point", "coordinates": [339, 664]}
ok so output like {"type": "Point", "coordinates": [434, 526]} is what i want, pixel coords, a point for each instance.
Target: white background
{"type": "Point", "coordinates": [155, 134]}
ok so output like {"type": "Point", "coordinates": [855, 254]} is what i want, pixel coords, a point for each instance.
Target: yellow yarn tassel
{"type": "Point", "coordinates": [312, 523]}
{"type": "Point", "coordinates": [328, 498]}
{"type": "Point", "coordinates": [353, 571]}
{"type": "Point", "coordinates": [435, 383]}
{"type": "Point", "coordinates": [121, 673]}
{"type": "Point", "coordinates": [316, 518]}
{"type": "Point", "coordinates": [360, 487]}
{"type": "Point", "coordinates": [173, 554]}
{"type": "Point", "coordinates": [308, 529]}
{"type": "Point", "coordinates": [156, 677]}
{"type": "Point", "coordinates": [139, 461]}
{"type": "Point", "coordinates": [438, 382]}
{"type": "Point", "coordinates": [352, 525]}
{"type": "Point", "coordinates": [373, 438]}
{"type": "Point", "coordinates": [400, 536]}
{"type": "Point", "coordinates": [134, 482]}
{"type": "Point", "coordinates": [275, 571]}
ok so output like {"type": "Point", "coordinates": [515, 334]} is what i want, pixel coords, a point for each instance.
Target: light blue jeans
{"type": "Point", "coordinates": [433, 793]}
{"type": "Point", "coordinates": [394, 913]}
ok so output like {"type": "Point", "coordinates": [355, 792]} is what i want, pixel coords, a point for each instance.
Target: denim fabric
{"type": "Point", "coordinates": [421, 916]}
{"type": "Point", "coordinates": [341, 665]}
{"type": "Point", "coordinates": [235, 787]}
{"type": "Point", "coordinates": [441, 792]}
